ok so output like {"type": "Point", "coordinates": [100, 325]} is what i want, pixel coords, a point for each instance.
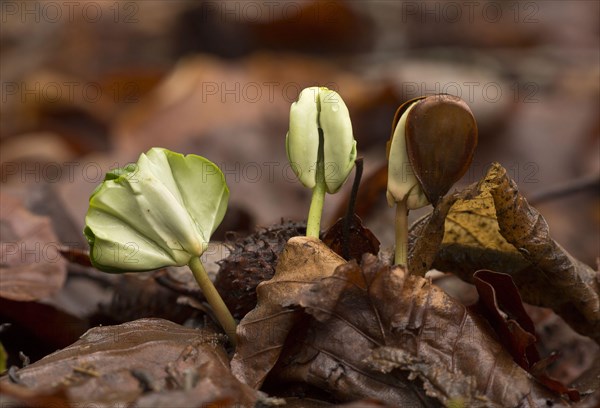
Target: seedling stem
{"type": "Point", "coordinates": [401, 255]}
{"type": "Point", "coordinates": [214, 299]}
{"type": "Point", "coordinates": [313, 225]}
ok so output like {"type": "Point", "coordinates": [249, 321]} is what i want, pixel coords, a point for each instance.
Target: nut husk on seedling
{"type": "Point", "coordinates": [441, 137]}
{"type": "Point", "coordinates": [402, 185]}
{"type": "Point", "coordinates": [432, 145]}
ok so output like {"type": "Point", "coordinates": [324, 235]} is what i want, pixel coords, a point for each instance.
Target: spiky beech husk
{"type": "Point", "coordinates": [252, 260]}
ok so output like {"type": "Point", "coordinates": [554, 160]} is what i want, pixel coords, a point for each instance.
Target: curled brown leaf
{"type": "Point", "coordinates": [263, 331]}
{"type": "Point", "coordinates": [501, 304]}
{"type": "Point", "coordinates": [490, 225]}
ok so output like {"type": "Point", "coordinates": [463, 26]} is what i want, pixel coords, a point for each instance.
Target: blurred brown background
{"type": "Point", "coordinates": [89, 85]}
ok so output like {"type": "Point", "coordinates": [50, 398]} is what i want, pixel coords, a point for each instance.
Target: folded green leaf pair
{"type": "Point", "coordinates": [320, 147]}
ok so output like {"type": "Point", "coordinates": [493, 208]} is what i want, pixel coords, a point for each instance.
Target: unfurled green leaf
{"type": "Point", "coordinates": [158, 212]}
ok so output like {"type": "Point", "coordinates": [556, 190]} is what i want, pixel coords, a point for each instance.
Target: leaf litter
{"type": "Point", "coordinates": [31, 267]}
{"type": "Point", "coordinates": [490, 225]}
{"type": "Point", "coordinates": [369, 330]}
{"type": "Point", "coordinates": [369, 333]}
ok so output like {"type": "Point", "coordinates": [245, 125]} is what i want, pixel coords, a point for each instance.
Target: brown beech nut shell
{"type": "Point", "coordinates": [441, 137]}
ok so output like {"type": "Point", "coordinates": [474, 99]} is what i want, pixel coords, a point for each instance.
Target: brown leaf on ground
{"type": "Point", "coordinates": [264, 330]}
{"type": "Point", "coordinates": [367, 332]}
{"type": "Point", "coordinates": [491, 226]}
{"type": "Point", "coordinates": [360, 240]}
{"type": "Point", "coordinates": [501, 304]}
{"type": "Point", "coordinates": [375, 318]}
{"type": "Point", "coordinates": [30, 266]}
{"type": "Point", "coordinates": [148, 362]}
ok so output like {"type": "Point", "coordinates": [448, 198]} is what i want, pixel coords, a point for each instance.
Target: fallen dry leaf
{"type": "Point", "coordinates": [381, 318]}
{"type": "Point", "coordinates": [147, 362]}
{"type": "Point", "coordinates": [360, 240]}
{"type": "Point", "coordinates": [367, 332]}
{"type": "Point", "coordinates": [491, 226]}
{"type": "Point", "coordinates": [262, 332]}
{"type": "Point", "coordinates": [31, 267]}
{"type": "Point", "coordinates": [501, 304]}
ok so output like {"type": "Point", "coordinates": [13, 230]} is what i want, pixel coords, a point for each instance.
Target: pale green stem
{"type": "Point", "coordinates": [401, 255]}
{"type": "Point", "coordinates": [313, 224]}
{"type": "Point", "coordinates": [214, 299]}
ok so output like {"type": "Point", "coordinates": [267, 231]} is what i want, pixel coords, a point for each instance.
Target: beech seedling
{"type": "Point", "coordinates": [320, 147]}
{"type": "Point", "coordinates": [160, 211]}
{"type": "Point", "coordinates": [432, 146]}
